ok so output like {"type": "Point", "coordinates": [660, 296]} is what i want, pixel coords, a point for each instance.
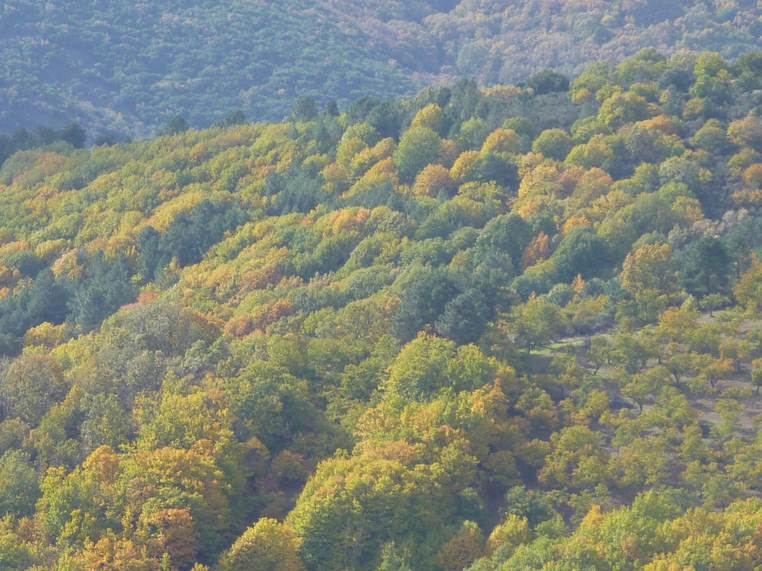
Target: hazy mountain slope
{"type": "Point", "coordinates": [130, 66]}
{"type": "Point", "coordinates": [505, 41]}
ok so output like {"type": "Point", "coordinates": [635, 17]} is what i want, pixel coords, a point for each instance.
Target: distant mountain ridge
{"type": "Point", "coordinates": [130, 67]}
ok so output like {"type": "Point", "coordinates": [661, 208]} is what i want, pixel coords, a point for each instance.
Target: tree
{"type": "Point", "coordinates": [104, 289]}
{"type": "Point", "coordinates": [465, 317]}
{"type": "Point", "coordinates": [712, 137]}
{"type": "Point", "coordinates": [578, 459]}
{"type": "Point", "coordinates": [384, 116]}
{"type": "Point", "coordinates": [75, 135]}
{"type": "Point", "coordinates": [344, 513]}
{"type": "Point", "coordinates": [423, 300]}
{"type": "Point", "coordinates": [583, 253]}
{"type": "Point", "coordinates": [150, 257]}
{"type": "Point", "coordinates": [597, 152]}
{"type": "Point", "coordinates": [192, 232]}
{"type": "Point", "coordinates": [505, 141]}
{"type": "Point", "coordinates": [716, 370]}
{"type": "Point", "coordinates": [508, 535]}
{"type": "Point", "coordinates": [305, 109]}
{"type": "Point", "coordinates": [538, 322]}
{"type": "Point", "coordinates": [464, 168]}
{"type": "Point", "coordinates": [548, 81]}
{"type": "Point", "coordinates": [148, 481]}
{"type": "Point", "coordinates": [15, 553]}
{"type": "Point", "coordinates": [646, 12]}
{"type": "Point", "coordinates": [332, 108]}
{"type": "Point", "coordinates": [623, 108]}
{"type": "Point", "coordinates": [712, 86]}
{"type": "Point", "coordinates": [106, 422]}
{"type": "Point", "coordinates": [19, 489]}
{"type": "Point", "coordinates": [554, 144]}
{"type": "Point", "coordinates": [271, 404]}
{"type": "Point", "coordinates": [463, 549]}
{"type": "Point", "coordinates": [47, 299]}
{"type": "Point", "coordinates": [642, 463]}
{"type": "Point", "coordinates": [756, 374]}
{"type": "Point", "coordinates": [268, 545]}
{"type": "Point", "coordinates": [508, 233]}
{"type": "Point", "coordinates": [30, 386]}
{"type": "Point", "coordinates": [393, 560]}
{"type": "Point", "coordinates": [683, 170]}
{"type": "Point", "coordinates": [110, 553]}
{"type": "Point", "coordinates": [537, 251]}
{"type": "Point", "coordinates": [233, 118]}
{"type": "Point", "coordinates": [472, 133]}
{"type": "Point", "coordinates": [530, 506]}
{"type": "Point", "coordinates": [355, 139]}
{"type": "Point", "coordinates": [600, 353]}
{"type": "Point", "coordinates": [106, 140]}
{"type": "Point", "coordinates": [419, 147]}
{"type": "Point", "coordinates": [748, 290]}
{"type": "Point", "coordinates": [747, 132]}
{"type": "Point", "coordinates": [433, 181]}
{"type": "Point", "coordinates": [650, 267]}
{"type": "Point", "coordinates": [428, 365]}
{"type": "Point", "coordinates": [497, 168]}
{"type": "Point", "coordinates": [752, 177]}
{"type": "Point", "coordinates": [175, 126]}
{"type": "Point", "coordinates": [172, 535]}
{"type": "Point", "coordinates": [430, 117]}
{"type": "Point", "coordinates": [706, 267]}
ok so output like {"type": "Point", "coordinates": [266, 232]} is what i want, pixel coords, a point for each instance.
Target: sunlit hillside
{"type": "Point", "coordinates": [512, 328]}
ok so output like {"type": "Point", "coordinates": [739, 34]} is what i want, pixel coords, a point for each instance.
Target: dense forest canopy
{"type": "Point", "coordinates": [129, 67]}
{"type": "Point", "coordinates": [483, 329]}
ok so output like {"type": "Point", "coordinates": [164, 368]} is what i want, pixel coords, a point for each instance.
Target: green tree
{"type": "Point", "coordinates": [30, 386]}
{"type": "Point", "coordinates": [578, 459]}
{"type": "Point", "coordinates": [271, 404]}
{"type": "Point", "coordinates": [353, 506]}
{"type": "Point", "coordinates": [305, 109]}
{"type": "Point", "coordinates": [623, 108]}
{"type": "Point", "coordinates": [706, 267]}
{"type": "Point", "coordinates": [756, 374]}
{"type": "Point", "coordinates": [538, 322]}
{"type": "Point", "coordinates": [175, 126]}
{"type": "Point", "coordinates": [548, 81]}
{"type": "Point", "coordinates": [472, 133]}
{"type": "Point", "coordinates": [748, 290]}
{"type": "Point", "coordinates": [419, 147]}
{"type": "Point", "coordinates": [15, 554]}
{"type": "Point", "coordinates": [104, 289]}
{"type": "Point", "coordinates": [19, 488]}
{"type": "Point", "coordinates": [583, 253]}
{"type": "Point", "coordinates": [508, 233]}
{"type": "Point", "coordinates": [425, 295]}
{"type": "Point", "coordinates": [554, 144]}
{"type": "Point", "coordinates": [393, 560]}
{"type": "Point", "coordinates": [268, 545]}
{"type": "Point", "coordinates": [429, 365]}
{"type": "Point", "coordinates": [236, 117]}
{"type": "Point", "coordinates": [75, 135]}
{"type": "Point", "coordinates": [465, 317]}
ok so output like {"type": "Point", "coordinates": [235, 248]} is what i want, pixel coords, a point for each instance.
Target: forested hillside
{"type": "Point", "coordinates": [129, 67]}
{"type": "Point", "coordinates": [510, 328]}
